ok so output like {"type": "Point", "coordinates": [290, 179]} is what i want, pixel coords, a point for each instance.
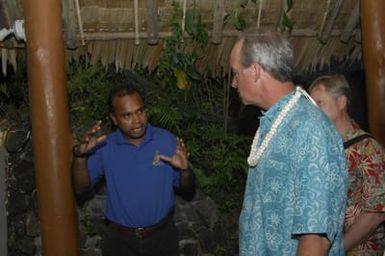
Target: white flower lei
{"type": "Point", "coordinates": [256, 152]}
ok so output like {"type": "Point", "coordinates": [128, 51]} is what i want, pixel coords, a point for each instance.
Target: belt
{"type": "Point", "coordinates": [143, 231]}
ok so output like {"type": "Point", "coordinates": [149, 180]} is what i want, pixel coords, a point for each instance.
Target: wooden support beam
{"type": "Point", "coordinates": [136, 19]}
{"type": "Point", "coordinates": [152, 22]}
{"type": "Point", "coordinates": [69, 23]}
{"type": "Point", "coordinates": [91, 36]}
{"type": "Point", "coordinates": [219, 11]}
{"type": "Point", "coordinates": [352, 24]}
{"type": "Point", "coordinates": [52, 137]}
{"type": "Point", "coordinates": [373, 47]}
{"type": "Point", "coordinates": [329, 19]}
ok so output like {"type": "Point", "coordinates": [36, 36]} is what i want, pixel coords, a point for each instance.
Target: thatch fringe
{"type": "Point", "coordinates": [110, 29]}
{"type": "Point", "coordinates": [311, 54]}
{"type": "Point", "coordinates": [8, 56]}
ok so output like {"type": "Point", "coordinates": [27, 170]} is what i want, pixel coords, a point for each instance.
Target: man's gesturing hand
{"type": "Point", "coordinates": [180, 159]}
{"type": "Point", "coordinates": [89, 141]}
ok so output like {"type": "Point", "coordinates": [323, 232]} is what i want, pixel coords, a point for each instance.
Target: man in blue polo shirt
{"type": "Point", "coordinates": [142, 165]}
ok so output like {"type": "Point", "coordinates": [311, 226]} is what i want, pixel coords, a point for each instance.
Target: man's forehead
{"type": "Point", "coordinates": [128, 100]}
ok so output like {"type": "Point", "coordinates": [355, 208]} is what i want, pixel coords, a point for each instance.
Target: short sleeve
{"type": "Point", "coordinates": [95, 166]}
{"type": "Point", "coordinates": [367, 164]}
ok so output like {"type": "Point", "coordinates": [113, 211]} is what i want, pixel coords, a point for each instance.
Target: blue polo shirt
{"type": "Point", "coordinates": [139, 191]}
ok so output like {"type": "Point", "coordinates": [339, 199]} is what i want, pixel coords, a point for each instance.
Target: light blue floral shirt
{"type": "Point", "coordinates": [299, 185]}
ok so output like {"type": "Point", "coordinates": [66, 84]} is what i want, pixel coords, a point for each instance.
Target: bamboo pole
{"type": "Point", "coordinates": [219, 11]}
{"type": "Point", "coordinates": [69, 20]}
{"type": "Point", "coordinates": [152, 21]}
{"type": "Point", "coordinates": [80, 22]}
{"type": "Point", "coordinates": [50, 127]}
{"type": "Point", "coordinates": [373, 46]}
{"type": "Point", "coordinates": [352, 24]}
{"type": "Point", "coordinates": [136, 15]}
{"type": "Point", "coordinates": [329, 20]}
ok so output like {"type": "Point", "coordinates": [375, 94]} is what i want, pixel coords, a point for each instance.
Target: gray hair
{"type": "Point", "coordinates": [336, 85]}
{"type": "Point", "coordinates": [270, 50]}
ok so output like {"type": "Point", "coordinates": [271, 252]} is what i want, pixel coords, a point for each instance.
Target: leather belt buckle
{"type": "Point", "coordinates": [140, 232]}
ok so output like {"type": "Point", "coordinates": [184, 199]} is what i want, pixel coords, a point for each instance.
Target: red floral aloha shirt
{"type": "Point", "coordinates": [366, 188]}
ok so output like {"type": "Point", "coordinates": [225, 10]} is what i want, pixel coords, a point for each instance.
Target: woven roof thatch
{"type": "Point", "coordinates": [131, 33]}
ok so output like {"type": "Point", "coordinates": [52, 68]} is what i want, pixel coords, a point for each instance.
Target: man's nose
{"type": "Point", "coordinates": [136, 118]}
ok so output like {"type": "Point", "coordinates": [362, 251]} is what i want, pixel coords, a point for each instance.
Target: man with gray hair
{"type": "Point", "coordinates": [295, 195]}
{"type": "Point", "coordinates": [365, 214]}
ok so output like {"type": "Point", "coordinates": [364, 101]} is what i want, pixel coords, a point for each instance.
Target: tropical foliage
{"type": "Point", "coordinates": [179, 98]}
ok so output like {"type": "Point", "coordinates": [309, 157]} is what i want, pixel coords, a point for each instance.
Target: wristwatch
{"type": "Point", "coordinates": [76, 153]}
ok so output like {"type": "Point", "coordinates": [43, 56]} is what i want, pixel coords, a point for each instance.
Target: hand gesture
{"type": "Point", "coordinates": [90, 140]}
{"type": "Point", "coordinates": [180, 159]}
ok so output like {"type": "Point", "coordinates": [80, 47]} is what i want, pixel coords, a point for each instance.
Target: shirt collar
{"type": "Point", "coordinates": [269, 116]}
{"type": "Point", "coordinates": [352, 131]}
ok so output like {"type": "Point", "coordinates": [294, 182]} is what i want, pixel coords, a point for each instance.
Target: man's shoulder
{"type": "Point", "coordinates": [311, 115]}
{"type": "Point", "coordinates": [312, 121]}
{"type": "Point", "coordinates": [112, 136]}
{"type": "Point", "coordinates": [367, 142]}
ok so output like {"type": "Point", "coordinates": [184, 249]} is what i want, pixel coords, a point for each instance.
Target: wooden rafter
{"type": "Point", "coordinates": [108, 35]}
{"type": "Point", "coordinates": [152, 21]}
{"type": "Point", "coordinates": [352, 24]}
{"type": "Point", "coordinates": [219, 11]}
{"type": "Point", "coordinates": [329, 19]}
{"type": "Point", "coordinates": [69, 25]}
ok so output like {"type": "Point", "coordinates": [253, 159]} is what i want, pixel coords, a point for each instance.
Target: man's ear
{"type": "Point", "coordinates": [113, 118]}
{"type": "Point", "coordinates": [257, 70]}
{"type": "Point", "coordinates": [342, 102]}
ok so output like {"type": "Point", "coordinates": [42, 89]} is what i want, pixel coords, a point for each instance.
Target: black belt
{"type": "Point", "coordinates": [141, 232]}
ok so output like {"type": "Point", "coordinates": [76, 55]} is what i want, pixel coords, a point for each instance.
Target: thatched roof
{"type": "Point", "coordinates": [131, 33]}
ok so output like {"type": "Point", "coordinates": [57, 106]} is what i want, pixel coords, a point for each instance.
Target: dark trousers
{"type": "Point", "coordinates": [161, 243]}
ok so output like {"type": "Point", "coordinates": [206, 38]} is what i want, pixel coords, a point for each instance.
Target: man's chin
{"type": "Point", "coordinates": [137, 136]}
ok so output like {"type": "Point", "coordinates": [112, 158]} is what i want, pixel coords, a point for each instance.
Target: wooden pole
{"type": "Point", "coordinates": [105, 36]}
{"type": "Point", "coordinates": [219, 11]}
{"type": "Point", "coordinates": [69, 18]}
{"type": "Point", "coordinates": [352, 24]}
{"type": "Point", "coordinates": [373, 45]}
{"type": "Point", "coordinates": [152, 21]}
{"type": "Point", "coordinates": [50, 127]}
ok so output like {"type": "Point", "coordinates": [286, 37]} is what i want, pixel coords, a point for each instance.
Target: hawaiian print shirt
{"type": "Point", "coordinates": [298, 187]}
{"type": "Point", "coordinates": [367, 188]}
